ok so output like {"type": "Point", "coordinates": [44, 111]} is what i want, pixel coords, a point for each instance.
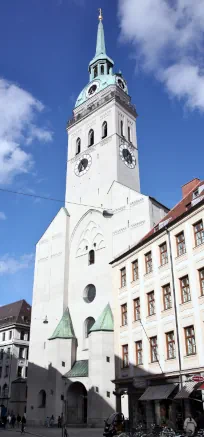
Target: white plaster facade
{"type": "Point", "coordinates": [62, 270]}
{"type": "Point", "coordinates": [136, 377]}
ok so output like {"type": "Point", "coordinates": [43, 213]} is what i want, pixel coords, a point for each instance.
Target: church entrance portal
{"type": "Point", "coordinates": [77, 403]}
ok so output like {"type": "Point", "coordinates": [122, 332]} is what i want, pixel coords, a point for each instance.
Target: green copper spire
{"type": "Point", "coordinates": [64, 328]}
{"type": "Point", "coordinates": [100, 43]}
{"type": "Point", "coordinates": [105, 321]}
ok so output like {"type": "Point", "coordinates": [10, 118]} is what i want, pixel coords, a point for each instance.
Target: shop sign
{"type": "Point", "coordinates": [139, 383]}
{"type": "Point", "coordinates": [197, 378]}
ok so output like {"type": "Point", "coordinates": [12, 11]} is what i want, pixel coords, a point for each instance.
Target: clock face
{"type": "Point", "coordinates": [121, 83]}
{"type": "Point", "coordinates": [92, 89]}
{"type": "Point", "coordinates": [82, 165]}
{"type": "Point", "coordinates": [127, 156]}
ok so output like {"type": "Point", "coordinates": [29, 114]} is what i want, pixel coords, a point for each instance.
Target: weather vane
{"type": "Point", "coordinates": [100, 17]}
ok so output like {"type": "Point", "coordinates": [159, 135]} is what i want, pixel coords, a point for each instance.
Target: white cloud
{"type": "Point", "coordinates": [167, 36]}
{"type": "Point", "coordinates": [2, 216]}
{"type": "Point", "coordinates": [18, 110]}
{"type": "Point", "coordinates": [11, 265]}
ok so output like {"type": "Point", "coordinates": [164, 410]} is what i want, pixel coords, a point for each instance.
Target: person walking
{"type": "Point", "coordinates": [18, 420]}
{"type": "Point", "coordinates": [23, 422]}
{"type": "Point", "coordinates": [59, 422]}
{"type": "Point", "coordinates": [190, 425]}
{"type": "Point", "coordinates": [13, 420]}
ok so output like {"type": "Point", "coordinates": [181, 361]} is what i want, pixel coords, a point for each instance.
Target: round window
{"type": "Point", "coordinates": [89, 293]}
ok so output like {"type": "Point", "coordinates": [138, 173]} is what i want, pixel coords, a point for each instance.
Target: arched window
{"type": "Point", "coordinates": [91, 138]}
{"type": "Point", "coordinates": [104, 129]}
{"type": "Point", "coordinates": [78, 146]}
{"type": "Point", "coordinates": [95, 71]}
{"type": "Point", "coordinates": [102, 69]}
{"type": "Point", "coordinates": [91, 257]}
{"type": "Point", "coordinates": [42, 399]}
{"type": "Point", "coordinates": [89, 322]}
{"type": "Point", "coordinates": [5, 391]}
{"type": "Point", "coordinates": [121, 128]}
{"type": "Point", "coordinates": [129, 135]}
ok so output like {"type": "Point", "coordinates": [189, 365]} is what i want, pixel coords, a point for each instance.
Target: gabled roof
{"type": "Point", "coordinates": [16, 312]}
{"type": "Point", "coordinates": [79, 369]}
{"type": "Point", "coordinates": [188, 203]}
{"type": "Point", "coordinates": [64, 328]}
{"type": "Point", "coordinates": [105, 321]}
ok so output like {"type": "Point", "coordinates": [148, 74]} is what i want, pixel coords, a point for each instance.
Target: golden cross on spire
{"type": "Point", "coordinates": [100, 17]}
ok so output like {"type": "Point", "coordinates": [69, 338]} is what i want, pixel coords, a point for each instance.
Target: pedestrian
{"type": "Point", "coordinates": [13, 420]}
{"type": "Point", "coordinates": [18, 420]}
{"type": "Point", "coordinates": [23, 422]}
{"type": "Point", "coordinates": [190, 425]}
{"type": "Point", "coordinates": [59, 422]}
{"type": "Point", "coordinates": [4, 420]}
{"type": "Point", "coordinates": [9, 420]}
{"type": "Point", "coordinates": [52, 420]}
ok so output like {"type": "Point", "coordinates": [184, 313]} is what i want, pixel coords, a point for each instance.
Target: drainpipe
{"type": "Point", "coordinates": [175, 307]}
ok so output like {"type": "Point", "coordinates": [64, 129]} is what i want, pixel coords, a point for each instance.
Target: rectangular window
{"type": "Point", "coordinates": [97, 389]}
{"type": "Point", "coordinates": [151, 303]}
{"type": "Point", "coordinates": [153, 349]}
{"type": "Point", "coordinates": [10, 335]}
{"type": "Point", "coordinates": [27, 353]}
{"type": "Point", "coordinates": [201, 278]}
{"type": "Point", "coordinates": [124, 314]}
{"type": "Point", "coordinates": [135, 271]}
{"type": "Point", "coordinates": [26, 372]}
{"type": "Point", "coordinates": [185, 289]}
{"type": "Point", "coordinates": [0, 372]}
{"type": "Point", "coordinates": [3, 336]}
{"type": "Point", "coordinates": [125, 355]}
{"type": "Point", "coordinates": [63, 363]}
{"type": "Point", "coordinates": [21, 352]}
{"type": "Point", "coordinates": [190, 340]}
{"type": "Point", "coordinates": [1, 354]}
{"type": "Point", "coordinates": [181, 245]}
{"type": "Point", "coordinates": [136, 303]}
{"type": "Point", "coordinates": [163, 254]}
{"type": "Point", "coordinates": [148, 262]}
{"type": "Point", "coordinates": [108, 359]}
{"type": "Point", "coordinates": [123, 277]}
{"type": "Point", "coordinates": [167, 297]}
{"type": "Point", "coordinates": [22, 334]}
{"type": "Point", "coordinates": [108, 394]}
{"type": "Point", "coordinates": [199, 233]}
{"type": "Point", "coordinates": [138, 346]}
{"type": "Point", "coordinates": [8, 352]}
{"type": "Point", "coordinates": [6, 371]}
{"type": "Point", "coordinates": [170, 345]}
{"type": "Point", "coordinates": [19, 371]}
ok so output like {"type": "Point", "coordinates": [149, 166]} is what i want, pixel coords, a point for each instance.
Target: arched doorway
{"type": "Point", "coordinates": [77, 403]}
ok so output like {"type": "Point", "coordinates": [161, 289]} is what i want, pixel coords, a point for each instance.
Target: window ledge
{"type": "Point", "coordinates": [148, 275]}
{"type": "Point", "coordinates": [190, 356]}
{"type": "Point", "coordinates": [164, 266]}
{"type": "Point", "coordinates": [122, 289]}
{"type": "Point", "coordinates": [186, 305]}
{"type": "Point", "coordinates": [201, 299]}
{"type": "Point", "coordinates": [166, 313]}
{"type": "Point", "coordinates": [152, 315]}
{"type": "Point", "coordinates": [198, 248]}
{"type": "Point", "coordinates": [133, 283]}
{"type": "Point", "coordinates": [181, 257]}
{"type": "Point", "coordinates": [170, 359]}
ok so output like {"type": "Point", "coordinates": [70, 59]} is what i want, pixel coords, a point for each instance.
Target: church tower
{"type": "Point", "coordinates": [72, 360]}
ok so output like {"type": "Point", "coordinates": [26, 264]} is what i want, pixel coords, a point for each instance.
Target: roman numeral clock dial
{"type": "Point", "coordinates": [127, 156]}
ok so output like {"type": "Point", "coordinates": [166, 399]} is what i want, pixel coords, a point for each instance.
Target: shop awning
{"type": "Point", "coordinates": [186, 390]}
{"type": "Point", "coordinates": [157, 392]}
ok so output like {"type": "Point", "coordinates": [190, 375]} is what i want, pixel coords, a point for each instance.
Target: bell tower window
{"type": "Point", "coordinates": [91, 257]}
{"type": "Point", "coordinates": [129, 135]}
{"type": "Point", "coordinates": [104, 129]}
{"type": "Point", "coordinates": [91, 138]}
{"type": "Point", "coordinates": [121, 128]}
{"type": "Point", "coordinates": [78, 146]}
{"type": "Point", "coordinates": [102, 69]}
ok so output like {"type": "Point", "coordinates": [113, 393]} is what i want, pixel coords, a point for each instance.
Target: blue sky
{"type": "Point", "coordinates": [45, 48]}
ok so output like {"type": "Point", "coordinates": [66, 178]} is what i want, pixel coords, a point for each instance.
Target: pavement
{"type": "Point", "coordinates": [53, 432]}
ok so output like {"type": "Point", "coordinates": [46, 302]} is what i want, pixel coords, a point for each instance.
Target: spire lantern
{"type": "Point", "coordinates": [101, 64]}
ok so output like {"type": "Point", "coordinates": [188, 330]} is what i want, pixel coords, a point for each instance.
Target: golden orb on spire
{"type": "Point", "coordinates": [100, 17]}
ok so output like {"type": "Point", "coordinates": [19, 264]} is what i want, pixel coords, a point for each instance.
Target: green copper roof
{"type": "Point", "coordinates": [105, 321]}
{"type": "Point", "coordinates": [80, 368]}
{"type": "Point", "coordinates": [64, 328]}
{"type": "Point", "coordinates": [100, 46]}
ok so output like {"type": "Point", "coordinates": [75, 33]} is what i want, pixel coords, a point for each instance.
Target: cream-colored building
{"type": "Point", "coordinates": [159, 314]}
